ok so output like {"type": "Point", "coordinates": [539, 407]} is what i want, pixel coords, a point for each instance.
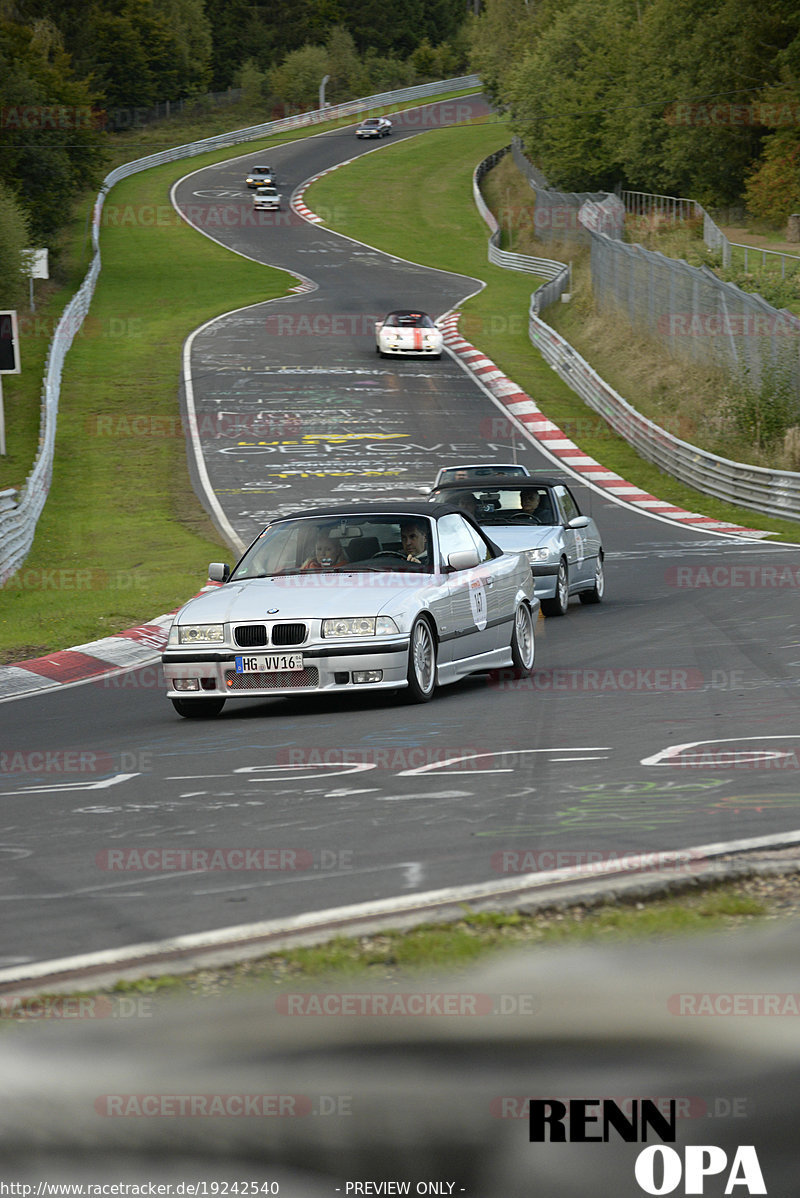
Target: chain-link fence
{"type": "Point", "coordinates": [555, 217]}
{"type": "Point", "coordinates": [696, 315]}
{"type": "Point", "coordinates": [693, 314]}
{"type": "Point", "coordinates": [776, 492]}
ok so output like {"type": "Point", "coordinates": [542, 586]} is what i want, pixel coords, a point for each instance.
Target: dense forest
{"type": "Point", "coordinates": [70, 71]}
{"type": "Point", "coordinates": [695, 98]}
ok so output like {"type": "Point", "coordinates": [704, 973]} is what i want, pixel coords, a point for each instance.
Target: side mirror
{"type": "Point", "coordinates": [218, 572]}
{"type": "Point", "coordinates": [463, 559]}
{"type": "Point", "coordinates": [579, 522]}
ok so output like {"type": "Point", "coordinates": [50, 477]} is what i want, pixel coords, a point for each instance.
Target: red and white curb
{"type": "Point", "coordinates": [520, 405]}
{"type": "Point", "coordinates": [128, 650]}
{"type": "Point", "coordinates": [297, 204]}
{"type": "Point", "coordinates": [134, 647]}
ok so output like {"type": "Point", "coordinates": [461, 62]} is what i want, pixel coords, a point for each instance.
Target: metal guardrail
{"type": "Point", "coordinates": [556, 272]}
{"type": "Point", "coordinates": [18, 526]}
{"type": "Point", "coordinates": [774, 492]}
{"type": "Point", "coordinates": [678, 208]}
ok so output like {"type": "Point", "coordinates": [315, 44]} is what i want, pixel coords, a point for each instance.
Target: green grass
{"type": "Point", "coordinates": [122, 536]}
{"type": "Point", "coordinates": [426, 184]}
{"type": "Point", "coordinates": [442, 950]}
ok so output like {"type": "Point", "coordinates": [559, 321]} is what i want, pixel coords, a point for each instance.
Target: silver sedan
{"type": "Point", "coordinates": [371, 597]}
{"type": "Point", "coordinates": [539, 517]}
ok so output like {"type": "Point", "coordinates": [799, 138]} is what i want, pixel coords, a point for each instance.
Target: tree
{"type": "Point", "coordinates": [694, 69]}
{"type": "Point", "coordinates": [14, 238]}
{"type": "Point", "coordinates": [52, 145]}
{"type": "Point", "coordinates": [297, 79]}
{"type": "Point", "coordinates": [562, 90]}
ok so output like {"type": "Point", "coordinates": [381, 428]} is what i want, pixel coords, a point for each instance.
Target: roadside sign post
{"type": "Point", "coordinates": [37, 268]}
{"type": "Point", "coordinates": [9, 362]}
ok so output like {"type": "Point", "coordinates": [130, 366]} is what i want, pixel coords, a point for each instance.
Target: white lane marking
{"type": "Point", "coordinates": [672, 752]}
{"type": "Point", "coordinates": [431, 794]}
{"type": "Point", "coordinates": [58, 787]}
{"type": "Point", "coordinates": [441, 766]}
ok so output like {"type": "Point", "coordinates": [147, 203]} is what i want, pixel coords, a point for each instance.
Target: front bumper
{"type": "Point", "coordinates": [326, 668]}
{"type": "Point", "coordinates": [424, 351]}
{"type": "Point", "coordinates": [545, 577]}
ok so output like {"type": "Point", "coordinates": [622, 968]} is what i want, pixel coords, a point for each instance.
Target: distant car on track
{"type": "Point", "coordinates": [406, 332]}
{"type": "Point", "coordinates": [374, 126]}
{"type": "Point", "coordinates": [539, 517]}
{"type": "Point", "coordinates": [267, 199]}
{"type": "Point", "coordinates": [366, 597]}
{"type": "Point", "coordinates": [454, 474]}
{"type": "Point", "coordinates": [261, 176]}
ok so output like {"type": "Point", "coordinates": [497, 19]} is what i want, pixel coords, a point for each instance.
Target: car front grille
{"type": "Point", "coordinates": [248, 636]}
{"type": "Point", "coordinates": [306, 679]}
{"type": "Point", "coordinates": [288, 634]}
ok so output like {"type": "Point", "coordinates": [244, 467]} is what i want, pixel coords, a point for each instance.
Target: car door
{"type": "Point", "coordinates": [580, 546]}
{"type": "Point", "coordinates": [474, 599]}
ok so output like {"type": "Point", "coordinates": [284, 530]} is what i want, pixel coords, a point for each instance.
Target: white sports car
{"type": "Point", "coordinates": [386, 596]}
{"type": "Point", "coordinates": [406, 332]}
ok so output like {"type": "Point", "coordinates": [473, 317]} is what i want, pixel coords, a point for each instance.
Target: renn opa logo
{"type": "Point", "coordinates": [658, 1169]}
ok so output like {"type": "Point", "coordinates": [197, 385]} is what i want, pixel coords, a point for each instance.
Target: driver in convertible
{"type": "Point", "coordinates": [327, 554]}
{"type": "Point", "coordinates": [414, 538]}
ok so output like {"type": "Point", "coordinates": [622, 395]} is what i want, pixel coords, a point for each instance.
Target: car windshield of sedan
{"type": "Point", "coordinates": [261, 170]}
{"type": "Point", "coordinates": [408, 320]}
{"type": "Point", "coordinates": [523, 505]}
{"type": "Point", "coordinates": [455, 473]}
{"type": "Point", "coordinates": [359, 543]}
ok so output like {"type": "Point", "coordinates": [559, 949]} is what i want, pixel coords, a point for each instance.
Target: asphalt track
{"type": "Point", "coordinates": [667, 717]}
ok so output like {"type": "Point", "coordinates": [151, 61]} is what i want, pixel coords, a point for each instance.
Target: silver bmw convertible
{"type": "Point", "coordinates": [387, 596]}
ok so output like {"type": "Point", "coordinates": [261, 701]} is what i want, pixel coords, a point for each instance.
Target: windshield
{"type": "Point", "coordinates": [455, 473]}
{"type": "Point", "coordinates": [409, 320]}
{"type": "Point", "coordinates": [345, 544]}
{"type": "Point", "coordinates": [515, 505]}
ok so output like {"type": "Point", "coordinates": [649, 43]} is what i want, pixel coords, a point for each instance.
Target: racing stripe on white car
{"type": "Point", "coordinates": [524, 409]}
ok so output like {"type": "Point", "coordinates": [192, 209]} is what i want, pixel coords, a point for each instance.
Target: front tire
{"type": "Point", "coordinates": [557, 606]}
{"type": "Point", "coordinates": [523, 649]}
{"type": "Point", "coordinates": [598, 590]}
{"type": "Point", "coordinates": [198, 709]}
{"type": "Point", "coordinates": [421, 663]}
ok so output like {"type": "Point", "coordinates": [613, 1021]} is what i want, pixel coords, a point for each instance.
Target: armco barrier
{"type": "Point", "coordinates": [774, 492]}
{"type": "Point", "coordinates": [545, 268]}
{"type": "Point", "coordinates": [18, 526]}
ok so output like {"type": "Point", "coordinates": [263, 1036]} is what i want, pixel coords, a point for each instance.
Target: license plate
{"type": "Point", "coordinates": [274, 663]}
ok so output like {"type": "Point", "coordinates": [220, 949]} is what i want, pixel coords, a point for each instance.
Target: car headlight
{"type": "Point", "coordinates": [359, 626]}
{"type": "Point", "coordinates": [201, 634]}
{"type": "Point", "coordinates": [537, 555]}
